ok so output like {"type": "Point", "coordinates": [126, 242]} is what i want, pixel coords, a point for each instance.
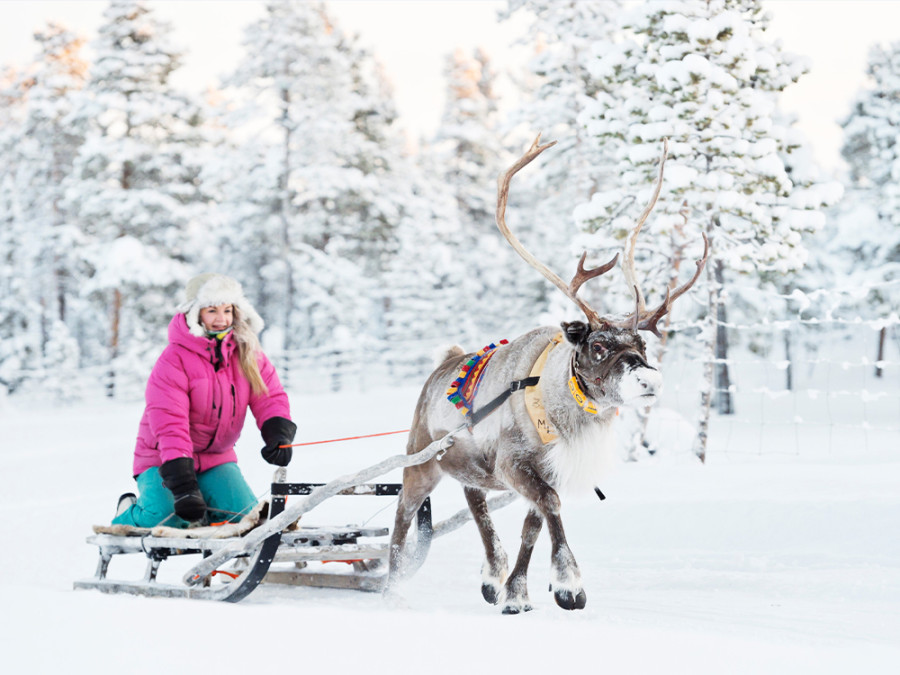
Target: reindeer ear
{"type": "Point", "coordinates": [576, 332]}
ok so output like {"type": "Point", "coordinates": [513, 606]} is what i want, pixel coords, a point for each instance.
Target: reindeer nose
{"type": "Point", "coordinates": [648, 384]}
{"type": "Point", "coordinates": [650, 381]}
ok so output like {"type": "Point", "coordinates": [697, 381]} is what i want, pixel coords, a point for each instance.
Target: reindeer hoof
{"type": "Point", "coordinates": [567, 600]}
{"type": "Point", "coordinates": [516, 609]}
{"type": "Point", "coordinates": [490, 593]}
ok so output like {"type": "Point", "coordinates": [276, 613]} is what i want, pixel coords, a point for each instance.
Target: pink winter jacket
{"type": "Point", "coordinates": [196, 402]}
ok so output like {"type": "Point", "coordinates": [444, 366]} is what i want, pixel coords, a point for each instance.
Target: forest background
{"type": "Point", "coordinates": [365, 248]}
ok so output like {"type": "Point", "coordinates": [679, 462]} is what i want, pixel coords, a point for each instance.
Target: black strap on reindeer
{"type": "Point", "coordinates": [488, 408]}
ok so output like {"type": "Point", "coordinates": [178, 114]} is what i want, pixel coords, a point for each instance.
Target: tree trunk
{"type": "Point", "coordinates": [788, 372]}
{"type": "Point", "coordinates": [285, 208]}
{"type": "Point", "coordinates": [59, 221]}
{"type": "Point", "coordinates": [45, 328]}
{"type": "Point", "coordinates": [882, 336]}
{"type": "Point", "coordinates": [641, 440]}
{"type": "Point", "coordinates": [114, 342]}
{"type": "Point", "coordinates": [724, 402]}
{"type": "Point", "coordinates": [708, 335]}
{"type": "Point", "coordinates": [116, 317]}
{"type": "Point", "coordinates": [61, 305]}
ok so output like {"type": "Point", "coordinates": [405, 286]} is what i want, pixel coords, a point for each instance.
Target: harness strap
{"type": "Point", "coordinates": [491, 406]}
{"type": "Point", "coordinates": [534, 397]}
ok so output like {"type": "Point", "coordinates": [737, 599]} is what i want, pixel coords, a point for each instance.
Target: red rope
{"type": "Point", "coordinates": [348, 438]}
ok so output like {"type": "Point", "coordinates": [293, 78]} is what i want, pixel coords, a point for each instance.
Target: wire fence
{"type": "Point", "coordinates": [800, 386]}
{"type": "Point", "coordinates": [796, 386]}
{"type": "Point", "coordinates": [808, 384]}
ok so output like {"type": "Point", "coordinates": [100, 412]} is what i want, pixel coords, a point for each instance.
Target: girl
{"type": "Point", "coordinates": [196, 401]}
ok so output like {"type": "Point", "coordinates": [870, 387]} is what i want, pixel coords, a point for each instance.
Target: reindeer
{"type": "Point", "coordinates": [588, 372]}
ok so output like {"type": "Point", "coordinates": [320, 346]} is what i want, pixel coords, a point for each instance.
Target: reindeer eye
{"type": "Point", "coordinates": [598, 348]}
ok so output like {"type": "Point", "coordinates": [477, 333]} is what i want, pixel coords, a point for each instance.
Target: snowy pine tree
{"type": "Point", "coordinates": [20, 313]}
{"type": "Point", "coordinates": [560, 86]}
{"type": "Point", "coordinates": [40, 277]}
{"type": "Point", "coordinates": [466, 146]}
{"type": "Point", "coordinates": [133, 190]}
{"type": "Point", "coordinates": [465, 157]}
{"type": "Point", "coordinates": [703, 75]}
{"type": "Point", "coordinates": [423, 305]}
{"type": "Point", "coordinates": [317, 183]}
{"type": "Point", "coordinates": [46, 150]}
{"type": "Point", "coordinates": [872, 150]}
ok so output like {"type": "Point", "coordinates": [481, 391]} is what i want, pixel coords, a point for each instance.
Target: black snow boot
{"type": "Point", "coordinates": [126, 501]}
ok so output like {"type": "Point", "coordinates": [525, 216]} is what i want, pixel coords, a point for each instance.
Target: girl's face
{"type": "Point", "coordinates": [218, 318]}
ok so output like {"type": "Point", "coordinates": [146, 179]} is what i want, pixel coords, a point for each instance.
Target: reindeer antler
{"type": "Point", "coordinates": [628, 262]}
{"type": "Point", "coordinates": [643, 319]}
{"type": "Point", "coordinates": [582, 275]}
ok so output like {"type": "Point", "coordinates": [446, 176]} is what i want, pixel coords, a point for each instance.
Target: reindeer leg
{"type": "Point", "coordinates": [418, 483]}
{"type": "Point", "coordinates": [494, 570]}
{"type": "Point", "coordinates": [565, 579]}
{"type": "Point", "coordinates": [516, 588]}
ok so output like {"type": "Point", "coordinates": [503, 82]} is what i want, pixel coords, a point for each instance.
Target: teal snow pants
{"type": "Point", "coordinates": [223, 487]}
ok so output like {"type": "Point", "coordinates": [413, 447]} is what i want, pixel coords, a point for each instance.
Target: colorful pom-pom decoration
{"type": "Point", "coordinates": [463, 389]}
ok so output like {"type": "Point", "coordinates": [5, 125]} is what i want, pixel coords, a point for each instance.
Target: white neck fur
{"type": "Point", "coordinates": [576, 467]}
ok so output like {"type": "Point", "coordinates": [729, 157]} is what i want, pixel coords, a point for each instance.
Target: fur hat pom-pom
{"type": "Point", "coordinates": [212, 290]}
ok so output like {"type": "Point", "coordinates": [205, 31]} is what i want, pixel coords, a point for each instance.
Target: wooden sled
{"type": "Point", "coordinates": [275, 541]}
{"type": "Point", "coordinates": [364, 549]}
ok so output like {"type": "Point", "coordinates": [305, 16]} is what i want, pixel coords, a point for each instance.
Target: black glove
{"type": "Point", "coordinates": [278, 431]}
{"type": "Point", "coordinates": [179, 477]}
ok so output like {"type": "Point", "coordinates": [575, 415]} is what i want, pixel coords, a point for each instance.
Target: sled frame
{"type": "Point", "coordinates": [300, 546]}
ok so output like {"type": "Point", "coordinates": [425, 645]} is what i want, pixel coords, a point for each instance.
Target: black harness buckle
{"type": "Point", "coordinates": [521, 384]}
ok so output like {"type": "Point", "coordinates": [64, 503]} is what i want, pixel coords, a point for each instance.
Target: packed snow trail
{"type": "Point", "coordinates": [772, 562]}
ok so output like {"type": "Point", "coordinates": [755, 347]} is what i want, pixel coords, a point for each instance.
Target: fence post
{"type": "Point", "coordinates": [724, 401]}
{"type": "Point", "coordinates": [789, 374]}
{"type": "Point", "coordinates": [882, 335]}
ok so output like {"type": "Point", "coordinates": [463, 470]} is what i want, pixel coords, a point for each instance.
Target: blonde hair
{"type": "Point", "coordinates": [248, 347]}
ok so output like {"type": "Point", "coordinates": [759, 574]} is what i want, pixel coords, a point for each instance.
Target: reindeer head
{"type": "Point", "coordinates": [609, 361]}
{"type": "Point", "coordinates": [610, 365]}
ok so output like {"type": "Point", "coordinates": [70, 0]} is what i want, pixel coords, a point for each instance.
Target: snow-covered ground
{"type": "Point", "coordinates": [757, 562]}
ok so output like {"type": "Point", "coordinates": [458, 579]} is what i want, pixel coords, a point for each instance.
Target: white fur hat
{"type": "Point", "coordinates": [210, 290]}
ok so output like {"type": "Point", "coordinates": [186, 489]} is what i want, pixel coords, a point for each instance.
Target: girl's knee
{"type": "Point", "coordinates": [227, 493]}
